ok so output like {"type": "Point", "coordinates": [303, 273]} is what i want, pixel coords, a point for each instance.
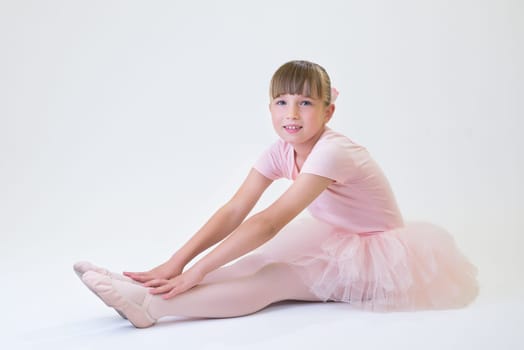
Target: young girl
{"type": "Point", "coordinates": [355, 247]}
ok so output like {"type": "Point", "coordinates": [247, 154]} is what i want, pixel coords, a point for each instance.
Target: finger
{"type": "Point", "coordinates": [155, 283]}
{"type": "Point", "coordinates": [161, 290]}
{"type": "Point", "coordinates": [171, 294]}
{"type": "Point", "coordinates": [176, 290]}
{"type": "Point", "coordinates": [138, 276]}
{"type": "Point", "coordinates": [132, 274]}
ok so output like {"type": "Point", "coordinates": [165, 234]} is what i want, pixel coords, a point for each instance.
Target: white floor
{"type": "Point", "coordinates": [285, 326]}
{"type": "Point", "coordinates": [54, 311]}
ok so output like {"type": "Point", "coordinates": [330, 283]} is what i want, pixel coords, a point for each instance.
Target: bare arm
{"type": "Point", "coordinates": [226, 219]}
{"type": "Point", "coordinates": [221, 224]}
{"type": "Point", "coordinates": [250, 234]}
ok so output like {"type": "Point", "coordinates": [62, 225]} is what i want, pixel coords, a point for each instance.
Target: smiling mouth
{"type": "Point", "coordinates": [292, 127]}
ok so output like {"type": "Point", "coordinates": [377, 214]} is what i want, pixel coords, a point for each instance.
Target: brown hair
{"type": "Point", "coordinates": [301, 78]}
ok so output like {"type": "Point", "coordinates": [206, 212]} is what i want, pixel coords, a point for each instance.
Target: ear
{"type": "Point", "coordinates": [329, 112]}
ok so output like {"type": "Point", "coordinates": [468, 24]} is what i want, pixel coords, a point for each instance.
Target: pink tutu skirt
{"type": "Point", "coordinates": [414, 267]}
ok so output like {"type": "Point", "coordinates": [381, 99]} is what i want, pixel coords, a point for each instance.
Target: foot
{"type": "Point", "coordinates": [84, 266]}
{"type": "Point", "coordinates": [131, 300]}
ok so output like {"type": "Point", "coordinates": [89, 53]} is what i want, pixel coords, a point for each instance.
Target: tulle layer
{"type": "Point", "coordinates": [414, 267]}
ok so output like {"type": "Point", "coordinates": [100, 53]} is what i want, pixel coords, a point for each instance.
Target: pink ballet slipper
{"type": "Point", "coordinates": [103, 286]}
{"type": "Point", "coordinates": [82, 267]}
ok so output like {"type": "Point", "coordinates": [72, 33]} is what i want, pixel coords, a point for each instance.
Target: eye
{"type": "Point", "coordinates": [306, 103]}
{"type": "Point", "coordinates": [280, 102]}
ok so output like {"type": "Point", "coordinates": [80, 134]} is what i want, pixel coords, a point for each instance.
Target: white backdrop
{"type": "Point", "coordinates": [124, 124]}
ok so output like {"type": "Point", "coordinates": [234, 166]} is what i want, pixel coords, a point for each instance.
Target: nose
{"type": "Point", "coordinates": [293, 112]}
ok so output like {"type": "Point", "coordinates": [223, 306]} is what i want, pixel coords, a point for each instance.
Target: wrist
{"type": "Point", "coordinates": [200, 269]}
{"type": "Point", "coordinates": [176, 262]}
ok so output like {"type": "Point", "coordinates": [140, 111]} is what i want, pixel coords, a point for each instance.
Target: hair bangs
{"type": "Point", "coordinates": [296, 80]}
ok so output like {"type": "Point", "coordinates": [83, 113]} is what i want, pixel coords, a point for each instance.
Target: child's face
{"type": "Point", "coordinates": [298, 119]}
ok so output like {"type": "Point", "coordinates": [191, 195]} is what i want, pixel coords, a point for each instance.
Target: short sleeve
{"type": "Point", "coordinates": [334, 160]}
{"type": "Point", "coordinates": [270, 162]}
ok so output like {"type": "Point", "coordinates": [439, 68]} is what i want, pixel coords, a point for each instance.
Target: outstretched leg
{"type": "Point", "coordinates": [245, 266]}
{"type": "Point", "coordinates": [227, 298]}
{"type": "Point", "coordinates": [236, 297]}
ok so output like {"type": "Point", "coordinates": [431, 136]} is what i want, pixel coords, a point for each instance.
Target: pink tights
{"type": "Point", "coordinates": [240, 289]}
{"type": "Point", "coordinates": [230, 292]}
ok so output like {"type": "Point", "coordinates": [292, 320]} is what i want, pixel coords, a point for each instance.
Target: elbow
{"type": "Point", "coordinates": [267, 225]}
{"type": "Point", "coordinates": [234, 211]}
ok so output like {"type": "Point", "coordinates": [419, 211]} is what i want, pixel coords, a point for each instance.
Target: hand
{"type": "Point", "coordinates": [175, 285]}
{"type": "Point", "coordinates": [165, 271]}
